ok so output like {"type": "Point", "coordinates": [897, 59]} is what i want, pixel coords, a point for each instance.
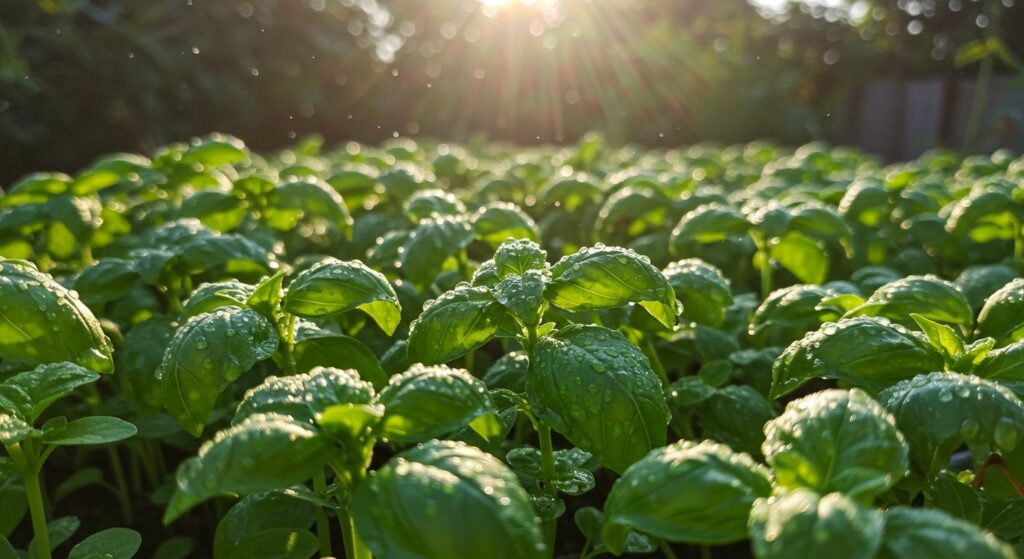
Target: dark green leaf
{"type": "Point", "coordinates": [30, 393]}
{"type": "Point", "coordinates": [804, 525]}
{"type": "Point", "coordinates": [303, 397]}
{"type": "Point", "coordinates": [90, 430]}
{"type": "Point", "coordinates": [913, 532]}
{"type": "Point", "coordinates": [332, 287]}
{"type": "Point", "coordinates": [454, 324]}
{"type": "Point", "coordinates": [112, 543]}
{"type": "Point", "coordinates": [427, 402]}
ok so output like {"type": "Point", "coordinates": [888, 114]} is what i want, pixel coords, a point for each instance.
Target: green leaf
{"type": "Point", "coordinates": [264, 452]}
{"type": "Point", "coordinates": [570, 474]}
{"type": "Point", "coordinates": [107, 280]}
{"type": "Point", "coordinates": [836, 441]}
{"type": "Point", "coordinates": [942, 337]}
{"type": "Point", "coordinates": [939, 411]}
{"type": "Point", "coordinates": [59, 530]}
{"type": "Point", "coordinates": [978, 283]}
{"type": "Point", "coordinates": [139, 357]}
{"type": "Point", "coordinates": [90, 431]}
{"type": "Point", "coordinates": [256, 514]}
{"type": "Point", "coordinates": [42, 322]}
{"type": "Point", "coordinates": [431, 243]}
{"type": "Point", "coordinates": [278, 543]}
{"type": "Point", "coordinates": [220, 211]}
{"type": "Point", "coordinates": [454, 324]}
{"type": "Point", "coordinates": [866, 352]}
{"type": "Point", "coordinates": [427, 402]}
{"type": "Point", "coordinates": [803, 257]}
{"type": "Point", "coordinates": [734, 415]}
{"type": "Point", "coordinates": [1004, 365]}
{"type": "Point", "coordinates": [983, 216]}
{"type": "Point", "coordinates": [1002, 317]}
{"type": "Point", "coordinates": [205, 355]}
{"type": "Point", "coordinates": [914, 532]}
{"type": "Point", "coordinates": [319, 348]}
{"type": "Point", "coordinates": [267, 296]}
{"type": "Point", "coordinates": [300, 200]}
{"type": "Point", "coordinates": [603, 277]}
{"type": "Point", "coordinates": [928, 296]}
{"type": "Point", "coordinates": [209, 297]}
{"type": "Point", "coordinates": [590, 522]}
{"type": "Point", "coordinates": [332, 287]}
{"type": "Point", "coordinates": [35, 188]}
{"type": "Point", "coordinates": [522, 295]}
{"type": "Point", "coordinates": [702, 289]}
{"type": "Point", "coordinates": [666, 495]}
{"type": "Point", "coordinates": [788, 313]}
{"type": "Point", "coordinates": [456, 489]}
{"type": "Point", "coordinates": [215, 150]}
{"type": "Point", "coordinates": [112, 543]}
{"type": "Point", "coordinates": [303, 397]}
{"type": "Point", "coordinates": [7, 550]}
{"type": "Point", "coordinates": [14, 429]}
{"type": "Point", "coordinates": [708, 223]}
{"type": "Point", "coordinates": [803, 524]}
{"type": "Point", "coordinates": [30, 393]}
{"type": "Point", "coordinates": [498, 221]}
{"type": "Point", "coordinates": [429, 203]}
{"type": "Point", "coordinates": [955, 498]}
{"type": "Point", "coordinates": [591, 385]}
{"type": "Point", "coordinates": [517, 256]}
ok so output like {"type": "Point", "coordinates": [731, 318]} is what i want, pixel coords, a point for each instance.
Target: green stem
{"type": "Point", "coordinates": [462, 259]}
{"type": "Point", "coordinates": [173, 300]}
{"type": "Point", "coordinates": [547, 465]}
{"type": "Point", "coordinates": [705, 552]}
{"type": "Point", "coordinates": [121, 483]}
{"type": "Point", "coordinates": [28, 468]}
{"type": "Point", "coordinates": [289, 345]}
{"type": "Point", "coordinates": [354, 546]}
{"type": "Point", "coordinates": [766, 274]}
{"type": "Point", "coordinates": [652, 355]}
{"type": "Point", "coordinates": [323, 531]}
{"type": "Point", "coordinates": [666, 549]}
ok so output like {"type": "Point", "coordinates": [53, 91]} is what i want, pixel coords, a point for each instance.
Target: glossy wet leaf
{"type": "Point", "coordinates": [836, 441]}
{"type": "Point", "coordinates": [666, 495]}
{"type": "Point", "coordinates": [913, 532]}
{"type": "Point", "coordinates": [263, 453]}
{"type": "Point", "coordinates": [459, 490]}
{"type": "Point", "coordinates": [939, 411]}
{"type": "Point", "coordinates": [302, 397]}
{"type": "Point", "coordinates": [928, 296]}
{"type": "Point", "coordinates": [802, 256]}
{"type": "Point", "coordinates": [598, 390]}
{"type": "Point", "coordinates": [29, 394]}
{"type": "Point", "coordinates": [42, 322]}
{"type": "Point", "coordinates": [517, 256]}
{"type": "Point", "coordinates": [1002, 317]}
{"type": "Point", "coordinates": [427, 402]}
{"type": "Point", "coordinates": [320, 348]}
{"type": "Point", "coordinates": [430, 244]}
{"type": "Point", "coordinates": [211, 296]}
{"type": "Point", "coordinates": [871, 353]}
{"type": "Point", "coordinates": [701, 288]}
{"type": "Point", "coordinates": [332, 287]}
{"type": "Point", "coordinates": [805, 525]}
{"type": "Point", "coordinates": [522, 295]}
{"type": "Point", "coordinates": [205, 355]}
{"type": "Point", "coordinates": [454, 324]}
{"type": "Point", "coordinates": [498, 221]}
{"type": "Point", "coordinates": [788, 313]}
{"type": "Point", "coordinates": [602, 277]}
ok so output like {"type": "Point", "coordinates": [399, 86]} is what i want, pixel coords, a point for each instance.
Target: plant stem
{"type": "Point", "coordinates": [354, 546]}
{"type": "Point", "coordinates": [705, 552]}
{"type": "Point", "coordinates": [28, 468]}
{"type": "Point", "coordinates": [766, 274]}
{"type": "Point", "coordinates": [289, 345]}
{"type": "Point", "coordinates": [122, 484]}
{"type": "Point", "coordinates": [652, 355]}
{"type": "Point", "coordinates": [666, 549]}
{"type": "Point", "coordinates": [547, 465]}
{"type": "Point", "coordinates": [323, 531]}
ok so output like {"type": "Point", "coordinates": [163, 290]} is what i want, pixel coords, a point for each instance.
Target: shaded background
{"type": "Point", "coordinates": [79, 78]}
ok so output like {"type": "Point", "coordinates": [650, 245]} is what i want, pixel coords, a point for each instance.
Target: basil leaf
{"type": "Point", "coordinates": [802, 256]}
{"type": "Point", "coordinates": [701, 288]}
{"type": "Point", "coordinates": [522, 295]}
{"type": "Point", "coordinates": [303, 397]}
{"type": "Point", "coordinates": [429, 203]}
{"type": "Point", "coordinates": [603, 277]}
{"type": "Point", "coordinates": [258, 513]}
{"type": "Point", "coordinates": [593, 386]}
{"type": "Point", "coordinates": [112, 543]}
{"type": "Point", "coordinates": [939, 411]}
{"type": "Point", "coordinates": [866, 352]}
{"type": "Point", "coordinates": [427, 402]}
{"type": "Point", "coordinates": [205, 355]}
{"type": "Point", "coordinates": [1002, 317]}
{"type": "Point", "coordinates": [212, 296]}
{"type": "Point", "coordinates": [90, 430]}
{"type": "Point", "coordinates": [978, 283]}
{"type": "Point", "coordinates": [140, 355]}
{"type": "Point", "coordinates": [307, 198]}
{"type": "Point", "coordinates": [915, 532]}
{"type": "Point", "coordinates": [319, 348]}
{"type": "Point", "coordinates": [29, 394]}
{"type": "Point", "coordinates": [454, 324]}
{"type": "Point", "coordinates": [517, 256]}
{"type": "Point", "coordinates": [836, 441]}
{"type": "Point", "coordinates": [498, 221]}
{"type": "Point", "coordinates": [431, 243]}
{"type": "Point", "coordinates": [42, 322]}
{"type": "Point", "coordinates": [788, 313]}
{"type": "Point", "coordinates": [667, 492]}
{"type": "Point", "coordinates": [803, 524]}
{"type": "Point", "coordinates": [734, 415]}
{"type": "Point", "coordinates": [708, 223]}
{"type": "Point", "coordinates": [331, 287]}
{"type": "Point", "coordinates": [1004, 365]}
{"type": "Point", "coordinates": [455, 489]}
{"type": "Point", "coordinates": [264, 452]}
{"type": "Point", "coordinates": [928, 296]}
{"type": "Point", "coordinates": [107, 280]}
{"type": "Point", "coordinates": [14, 429]}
